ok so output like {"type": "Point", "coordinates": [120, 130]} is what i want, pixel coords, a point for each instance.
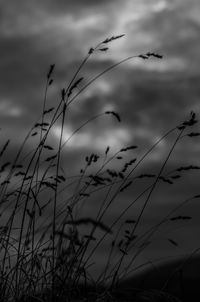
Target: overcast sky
{"type": "Point", "coordinates": [150, 96]}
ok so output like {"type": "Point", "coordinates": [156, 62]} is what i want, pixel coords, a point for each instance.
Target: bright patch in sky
{"type": "Point", "coordinates": [7, 108]}
{"type": "Point", "coordinates": [115, 138]}
{"type": "Point", "coordinates": [82, 23]}
{"type": "Point", "coordinates": [100, 87]}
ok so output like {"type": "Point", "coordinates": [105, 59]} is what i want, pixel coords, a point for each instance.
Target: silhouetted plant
{"type": "Point", "coordinates": [44, 261]}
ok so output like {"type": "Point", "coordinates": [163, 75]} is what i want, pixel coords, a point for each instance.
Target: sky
{"type": "Point", "coordinates": [151, 96]}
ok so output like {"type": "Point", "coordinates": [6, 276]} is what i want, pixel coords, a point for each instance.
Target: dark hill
{"type": "Point", "coordinates": [179, 277]}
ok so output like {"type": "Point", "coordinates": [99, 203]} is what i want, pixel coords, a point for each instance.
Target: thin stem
{"type": "Point", "coordinates": [55, 200]}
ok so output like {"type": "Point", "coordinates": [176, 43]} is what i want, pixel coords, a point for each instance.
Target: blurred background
{"type": "Point", "coordinates": [151, 96]}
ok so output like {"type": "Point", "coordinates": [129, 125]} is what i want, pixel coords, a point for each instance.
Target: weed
{"type": "Point", "coordinates": [44, 260]}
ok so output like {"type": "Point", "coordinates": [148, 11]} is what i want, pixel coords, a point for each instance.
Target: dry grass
{"type": "Point", "coordinates": [46, 260]}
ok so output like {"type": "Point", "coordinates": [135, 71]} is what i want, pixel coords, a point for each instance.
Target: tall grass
{"type": "Point", "coordinates": [46, 258]}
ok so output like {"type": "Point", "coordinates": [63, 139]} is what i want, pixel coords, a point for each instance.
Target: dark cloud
{"type": "Point", "coordinates": [77, 6]}
{"type": "Point", "coordinates": [22, 76]}
{"type": "Point", "coordinates": [30, 13]}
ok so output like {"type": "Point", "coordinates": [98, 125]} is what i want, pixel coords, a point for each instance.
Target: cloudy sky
{"type": "Point", "coordinates": [151, 96]}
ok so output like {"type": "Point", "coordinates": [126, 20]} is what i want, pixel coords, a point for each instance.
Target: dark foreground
{"type": "Point", "coordinates": [175, 281]}
{"type": "Point", "coordinates": [180, 278]}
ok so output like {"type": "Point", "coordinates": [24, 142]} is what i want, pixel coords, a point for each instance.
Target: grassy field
{"type": "Point", "coordinates": [45, 257]}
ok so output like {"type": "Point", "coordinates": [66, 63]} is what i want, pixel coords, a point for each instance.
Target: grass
{"type": "Point", "coordinates": [50, 260]}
